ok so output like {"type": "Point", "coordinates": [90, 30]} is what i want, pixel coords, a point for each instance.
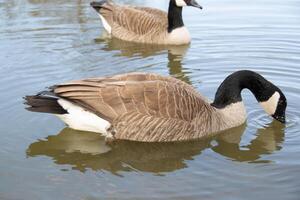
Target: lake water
{"type": "Point", "coordinates": [43, 42]}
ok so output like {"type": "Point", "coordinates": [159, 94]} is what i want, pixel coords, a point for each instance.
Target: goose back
{"type": "Point", "coordinates": [142, 107]}
{"type": "Point", "coordinates": [144, 25]}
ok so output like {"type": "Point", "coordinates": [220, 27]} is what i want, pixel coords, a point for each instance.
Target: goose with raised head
{"type": "Point", "coordinates": [152, 108]}
{"type": "Point", "coordinates": [145, 25]}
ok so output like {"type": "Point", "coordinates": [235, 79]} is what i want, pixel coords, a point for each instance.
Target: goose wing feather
{"type": "Point", "coordinates": [136, 23]}
{"type": "Point", "coordinates": [153, 11]}
{"type": "Point", "coordinates": [140, 106]}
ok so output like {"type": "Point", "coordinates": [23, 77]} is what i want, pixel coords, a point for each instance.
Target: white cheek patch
{"type": "Point", "coordinates": [270, 105]}
{"type": "Point", "coordinates": [180, 3]}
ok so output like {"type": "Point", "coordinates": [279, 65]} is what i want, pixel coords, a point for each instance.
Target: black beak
{"type": "Point", "coordinates": [194, 4]}
{"type": "Point", "coordinates": [96, 5]}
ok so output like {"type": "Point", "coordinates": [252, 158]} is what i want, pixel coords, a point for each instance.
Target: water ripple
{"type": "Point", "coordinates": [45, 42]}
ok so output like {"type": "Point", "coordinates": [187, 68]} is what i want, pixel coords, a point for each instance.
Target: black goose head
{"type": "Point", "coordinates": [266, 93]}
{"type": "Point", "coordinates": [181, 3]}
{"type": "Point", "coordinates": [97, 5]}
{"type": "Point", "coordinates": [175, 12]}
{"type": "Point", "coordinates": [280, 108]}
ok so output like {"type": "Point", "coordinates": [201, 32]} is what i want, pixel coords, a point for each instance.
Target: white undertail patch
{"type": "Point", "coordinates": [181, 3]}
{"type": "Point", "coordinates": [270, 105]}
{"type": "Point", "coordinates": [80, 119]}
{"type": "Point", "coordinates": [106, 26]}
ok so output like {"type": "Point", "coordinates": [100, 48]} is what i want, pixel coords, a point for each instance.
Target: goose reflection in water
{"type": "Point", "coordinates": [131, 50]}
{"type": "Point", "coordinates": [268, 140]}
{"type": "Point", "coordinates": [85, 150]}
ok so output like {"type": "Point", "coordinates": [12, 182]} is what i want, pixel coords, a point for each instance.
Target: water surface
{"type": "Point", "coordinates": [44, 42]}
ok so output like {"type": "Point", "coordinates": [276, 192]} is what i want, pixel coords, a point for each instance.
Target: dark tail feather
{"type": "Point", "coordinates": [44, 104]}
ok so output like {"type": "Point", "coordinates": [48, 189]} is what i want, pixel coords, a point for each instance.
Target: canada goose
{"type": "Point", "coordinates": [152, 108]}
{"type": "Point", "coordinates": [143, 24]}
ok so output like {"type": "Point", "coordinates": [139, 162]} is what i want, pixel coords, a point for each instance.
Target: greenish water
{"type": "Point", "coordinates": [43, 42]}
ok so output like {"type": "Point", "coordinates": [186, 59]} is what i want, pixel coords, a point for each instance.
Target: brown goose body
{"type": "Point", "coordinates": [141, 24]}
{"type": "Point", "coordinates": [143, 107]}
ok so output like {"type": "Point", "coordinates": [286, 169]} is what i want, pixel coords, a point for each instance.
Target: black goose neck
{"type": "Point", "coordinates": [174, 16]}
{"type": "Point", "coordinates": [230, 90]}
